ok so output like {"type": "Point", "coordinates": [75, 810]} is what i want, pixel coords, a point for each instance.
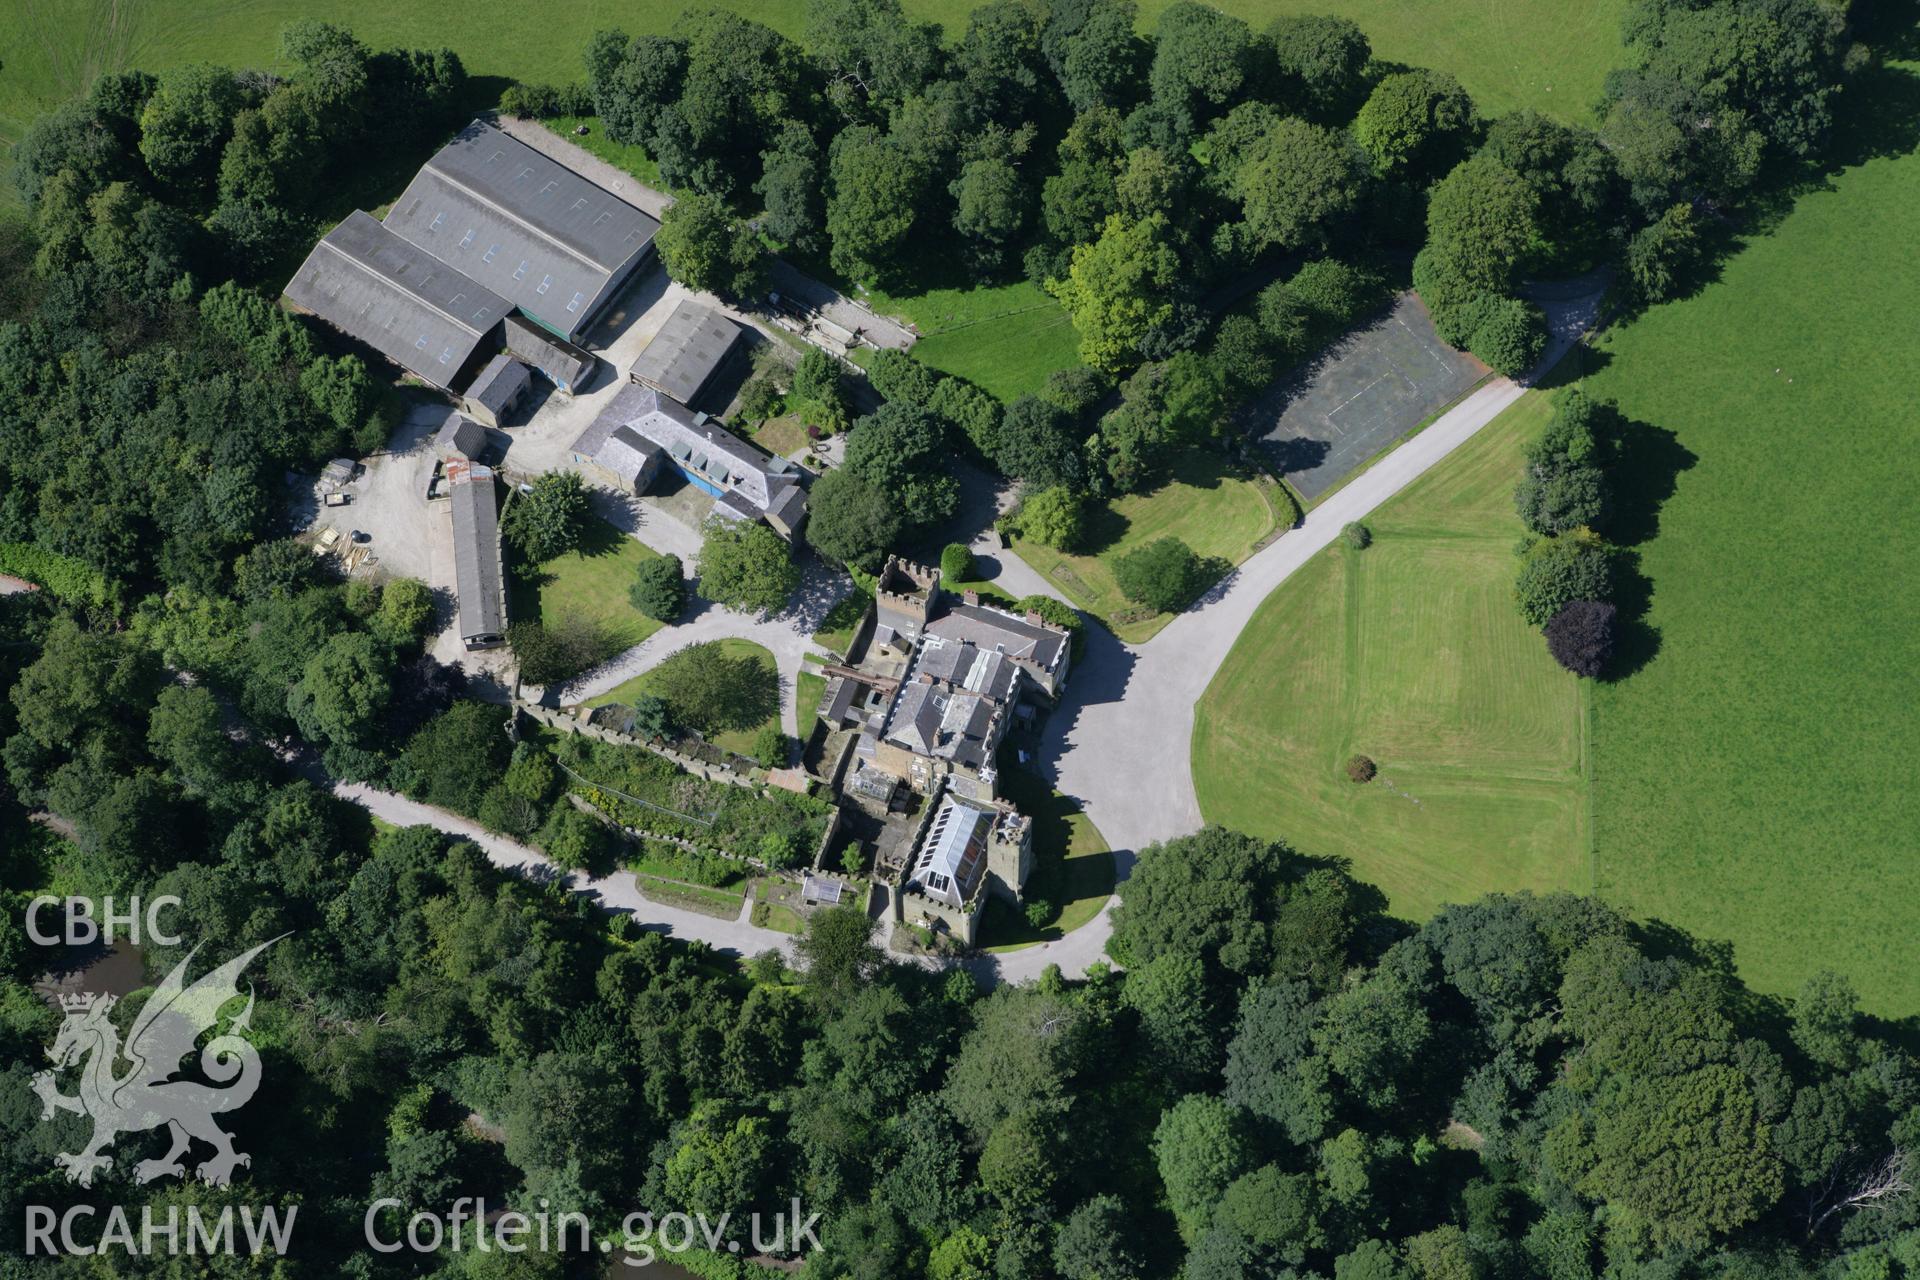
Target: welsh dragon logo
{"type": "Point", "coordinates": [145, 1095]}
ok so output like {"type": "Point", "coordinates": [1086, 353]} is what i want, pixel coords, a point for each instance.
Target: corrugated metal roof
{"type": "Point", "coordinates": [522, 223]}
{"type": "Point", "coordinates": [476, 553]}
{"type": "Point", "coordinates": [690, 347]}
{"type": "Point", "coordinates": [412, 308]}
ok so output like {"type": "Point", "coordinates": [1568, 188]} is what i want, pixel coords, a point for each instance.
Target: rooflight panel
{"type": "Point", "coordinates": [546, 282]}
{"type": "Point", "coordinates": [520, 272]}
{"type": "Point", "coordinates": [467, 239]}
{"type": "Point", "coordinates": [438, 218]}
{"type": "Point", "coordinates": [488, 255]}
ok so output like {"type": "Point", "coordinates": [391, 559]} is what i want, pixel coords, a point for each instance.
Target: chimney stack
{"type": "Point", "coordinates": [970, 596]}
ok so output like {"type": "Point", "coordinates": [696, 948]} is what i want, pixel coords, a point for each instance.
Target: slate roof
{"type": "Point", "coordinates": [943, 722]}
{"type": "Point", "coordinates": [499, 384]}
{"type": "Point", "coordinates": [1004, 632]}
{"type": "Point", "coordinates": [546, 351]}
{"type": "Point", "coordinates": [751, 481]}
{"type": "Point", "coordinates": [522, 223]}
{"type": "Point", "coordinates": [476, 552]}
{"type": "Point", "coordinates": [461, 435]}
{"type": "Point", "coordinates": [626, 453]}
{"type": "Point", "coordinates": [412, 308]}
{"type": "Point", "coordinates": [976, 670]}
{"type": "Point", "coordinates": [689, 348]}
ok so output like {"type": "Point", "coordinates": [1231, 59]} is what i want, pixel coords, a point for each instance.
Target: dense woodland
{"type": "Point", "coordinates": [1283, 1081]}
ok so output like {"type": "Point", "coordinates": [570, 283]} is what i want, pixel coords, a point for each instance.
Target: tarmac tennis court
{"type": "Point", "coordinates": [1369, 389]}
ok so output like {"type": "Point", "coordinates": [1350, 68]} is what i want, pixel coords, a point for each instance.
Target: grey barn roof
{"type": "Point", "coordinates": [497, 385]}
{"type": "Point", "coordinates": [462, 435]}
{"type": "Point", "coordinates": [476, 554]}
{"type": "Point", "coordinates": [551, 354]}
{"type": "Point", "coordinates": [522, 223]}
{"type": "Point", "coordinates": [689, 348]}
{"type": "Point", "coordinates": [754, 481]}
{"type": "Point", "coordinates": [412, 308]}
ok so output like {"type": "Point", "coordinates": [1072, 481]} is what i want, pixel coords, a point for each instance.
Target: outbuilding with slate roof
{"type": "Point", "coordinates": [496, 389]}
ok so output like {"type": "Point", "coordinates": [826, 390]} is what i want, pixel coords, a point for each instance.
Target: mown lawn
{"type": "Point", "coordinates": [808, 689]}
{"type": "Point", "coordinates": [590, 584]}
{"type": "Point", "coordinates": [739, 741]}
{"type": "Point", "coordinates": [1410, 652]}
{"type": "Point", "coordinates": [1754, 781]}
{"type": "Point", "coordinates": [1073, 868]}
{"type": "Point", "coordinates": [1007, 338]}
{"type": "Point", "coordinates": [1212, 511]}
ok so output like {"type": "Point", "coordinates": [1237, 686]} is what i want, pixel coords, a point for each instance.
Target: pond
{"type": "Point", "coordinates": [118, 970]}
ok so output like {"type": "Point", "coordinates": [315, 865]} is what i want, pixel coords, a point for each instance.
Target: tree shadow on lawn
{"type": "Point", "coordinates": [600, 538]}
{"type": "Point", "coordinates": [1103, 530]}
{"type": "Point", "coordinates": [1877, 118]}
{"type": "Point", "coordinates": [1645, 472]}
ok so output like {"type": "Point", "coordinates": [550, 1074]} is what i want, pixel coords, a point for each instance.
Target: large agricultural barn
{"type": "Point", "coordinates": [488, 226]}
{"type": "Point", "coordinates": [413, 309]}
{"type": "Point", "coordinates": [524, 225]}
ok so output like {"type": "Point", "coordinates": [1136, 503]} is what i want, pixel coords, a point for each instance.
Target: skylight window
{"type": "Point", "coordinates": [546, 282]}
{"type": "Point", "coordinates": [488, 255]}
{"type": "Point", "coordinates": [521, 271]}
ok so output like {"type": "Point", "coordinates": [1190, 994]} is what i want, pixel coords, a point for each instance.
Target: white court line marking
{"type": "Point", "coordinates": [1424, 348]}
{"type": "Point", "coordinates": [1350, 399]}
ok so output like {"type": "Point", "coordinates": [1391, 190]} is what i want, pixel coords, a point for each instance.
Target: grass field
{"type": "Point", "coordinates": [1755, 780]}
{"type": "Point", "coordinates": [1215, 513]}
{"type": "Point", "coordinates": [590, 583]}
{"type": "Point", "coordinates": [739, 741]}
{"type": "Point", "coordinates": [1410, 652]}
{"type": "Point", "coordinates": [1007, 338]}
{"type": "Point", "coordinates": [1508, 53]}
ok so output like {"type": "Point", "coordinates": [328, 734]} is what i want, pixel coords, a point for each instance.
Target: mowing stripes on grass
{"type": "Point", "coordinates": [1409, 652]}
